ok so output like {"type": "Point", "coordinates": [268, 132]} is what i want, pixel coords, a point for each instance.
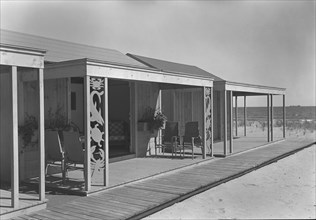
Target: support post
{"type": "Point", "coordinates": [284, 116]}
{"type": "Point", "coordinates": [87, 166]}
{"type": "Point", "coordinates": [15, 138]}
{"type": "Point", "coordinates": [136, 117]}
{"type": "Point", "coordinates": [69, 100]}
{"type": "Point", "coordinates": [268, 116]}
{"type": "Point", "coordinates": [245, 115]}
{"type": "Point", "coordinates": [204, 123]}
{"type": "Point", "coordinates": [236, 115]}
{"type": "Point", "coordinates": [271, 117]}
{"type": "Point", "coordinates": [225, 122]}
{"type": "Point", "coordinates": [231, 124]}
{"type": "Point", "coordinates": [41, 129]}
{"type": "Point", "coordinates": [212, 131]}
{"type": "Point", "coordinates": [106, 134]}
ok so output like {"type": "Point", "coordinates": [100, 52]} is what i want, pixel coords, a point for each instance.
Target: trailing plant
{"type": "Point", "coordinates": [154, 117]}
{"type": "Point", "coordinates": [27, 130]}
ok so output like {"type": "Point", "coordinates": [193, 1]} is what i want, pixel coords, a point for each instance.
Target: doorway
{"type": "Point", "coordinates": [119, 118]}
{"type": "Point", "coordinates": [76, 103]}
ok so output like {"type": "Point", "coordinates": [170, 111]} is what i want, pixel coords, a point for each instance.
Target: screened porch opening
{"type": "Point", "coordinates": [119, 118]}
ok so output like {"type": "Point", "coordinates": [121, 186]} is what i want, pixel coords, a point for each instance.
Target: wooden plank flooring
{"type": "Point", "coordinates": [139, 199]}
{"type": "Point", "coordinates": [27, 204]}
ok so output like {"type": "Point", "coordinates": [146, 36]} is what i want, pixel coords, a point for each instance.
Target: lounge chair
{"type": "Point", "coordinates": [54, 151]}
{"type": "Point", "coordinates": [191, 137]}
{"type": "Point", "coordinates": [74, 153]}
{"type": "Point", "coordinates": [170, 139]}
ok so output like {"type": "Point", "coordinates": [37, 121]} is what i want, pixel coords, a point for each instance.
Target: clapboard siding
{"type": "Point", "coordinates": [56, 96]}
{"type": "Point", "coordinates": [147, 96]}
{"type": "Point", "coordinates": [183, 105]}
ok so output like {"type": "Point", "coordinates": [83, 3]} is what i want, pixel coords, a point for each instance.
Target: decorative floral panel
{"type": "Point", "coordinates": [97, 123]}
{"type": "Point", "coordinates": [208, 117]}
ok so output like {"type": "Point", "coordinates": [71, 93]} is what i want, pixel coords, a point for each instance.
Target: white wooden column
{"type": "Point", "coordinates": [268, 117]}
{"type": "Point", "coordinates": [106, 133]}
{"type": "Point", "coordinates": [69, 100]}
{"type": "Point", "coordinates": [231, 124]}
{"type": "Point", "coordinates": [245, 116]}
{"type": "Point", "coordinates": [204, 123]}
{"type": "Point", "coordinates": [236, 115]}
{"type": "Point", "coordinates": [271, 117]}
{"type": "Point", "coordinates": [225, 122]}
{"type": "Point", "coordinates": [41, 129]}
{"type": "Point", "coordinates": [87, 166]}
{"type": "Point", "coordinates": [15, 138]}
{"type": "Point", "coordinates": [136, 117]}
{"type": "Point", "coordinates": [284, 116]}
{"type": "Point", "coordinates": [212, 114]}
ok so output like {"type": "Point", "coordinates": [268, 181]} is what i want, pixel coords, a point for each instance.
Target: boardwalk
{"type": "Point", "coordinates": [136, 200]}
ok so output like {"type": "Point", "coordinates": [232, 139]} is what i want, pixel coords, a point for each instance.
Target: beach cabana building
{"type": "Point", "coordinates": [91, 90]}
{"type": "Point", "coordinates": [16, 64]}
{"type": "Point", "coordinates": [225, 115]}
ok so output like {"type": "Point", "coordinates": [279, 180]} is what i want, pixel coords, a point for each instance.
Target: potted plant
{"type": "Point", "coordinates": [28, 130]}
{"type": "Point", "coordinates": [153, 119]}
{"type": "Point", "coordinates": [55, 121]}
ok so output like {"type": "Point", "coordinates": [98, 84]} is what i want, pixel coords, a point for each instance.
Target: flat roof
{"type": "Point", "coordinates": [168, 66]}
{"type": "Point", "coordinates": [241, 89]}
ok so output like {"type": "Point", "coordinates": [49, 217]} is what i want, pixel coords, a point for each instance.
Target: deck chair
{"type": "Point", "coordinates": [191, 137]}
{"type": "Point", "coordinates": [170, 139]}
{"type": "Point", "coordinates": [54, 151]}
{"type": "Point", "coordinates": [74, 153]}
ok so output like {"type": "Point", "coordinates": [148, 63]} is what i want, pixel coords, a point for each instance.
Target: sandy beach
{"type": "Point", "coordinates": [285, 189]}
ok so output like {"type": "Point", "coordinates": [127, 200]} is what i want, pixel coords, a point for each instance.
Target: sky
{"type": "Point", "coordinates": [261, 42]}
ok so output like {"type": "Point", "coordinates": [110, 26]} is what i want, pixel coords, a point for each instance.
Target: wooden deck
{"type": "Point", "coordinates": [241, 144]}
{"type": "Point", "coordinates": [27, 204]}
{"type": "Point", "coordinates": [142, 198]}
{"type": "Point", "coordinates": [134, 169]}
{"type": "Point", "coordinates": [121, 172]}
